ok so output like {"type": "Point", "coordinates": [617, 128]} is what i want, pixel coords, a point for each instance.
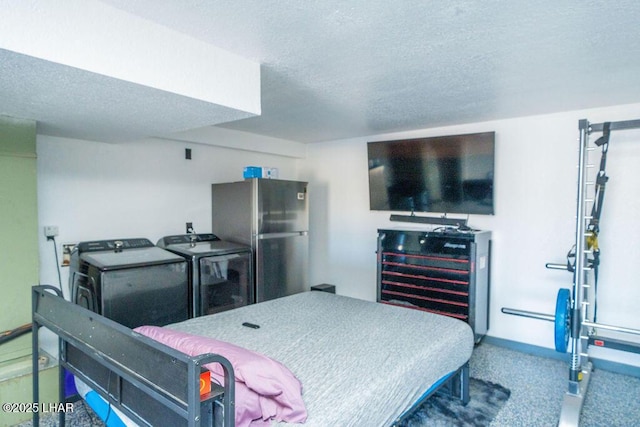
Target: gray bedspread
{"type": "Point", "coordinates": [360, 363]}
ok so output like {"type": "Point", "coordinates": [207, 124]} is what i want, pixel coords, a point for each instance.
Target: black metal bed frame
{"type": "Point", "coordinates": [149, 382]}
{"type": "Point", "coordinates": [454, 385]}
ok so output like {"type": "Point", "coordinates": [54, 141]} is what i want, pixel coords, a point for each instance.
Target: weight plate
{"type": "Point", "coordinates": [563, 320]}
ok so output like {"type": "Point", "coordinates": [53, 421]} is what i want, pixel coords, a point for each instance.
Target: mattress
{"type": "Point", "coordinates": [360, 363]}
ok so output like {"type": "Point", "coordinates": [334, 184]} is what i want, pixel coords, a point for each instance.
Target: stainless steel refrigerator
{"type": "Point", "coordinates": [272, 217]}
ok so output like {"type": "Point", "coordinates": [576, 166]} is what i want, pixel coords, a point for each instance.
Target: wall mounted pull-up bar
{"type": "Point", "coordinates": [623, 125]}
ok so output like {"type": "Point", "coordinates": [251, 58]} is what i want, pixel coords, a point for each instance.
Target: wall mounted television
{"type": "Point", "coordinates": [444, 174]}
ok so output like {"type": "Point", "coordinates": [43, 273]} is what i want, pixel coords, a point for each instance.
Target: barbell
{"type": "Point", "coordinates": [561, 318]}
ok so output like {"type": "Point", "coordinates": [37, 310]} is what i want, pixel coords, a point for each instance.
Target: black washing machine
{"type": "Point", "coordinates": [220, 272]}
{"type": "Point", "coordinates": [130, 281]}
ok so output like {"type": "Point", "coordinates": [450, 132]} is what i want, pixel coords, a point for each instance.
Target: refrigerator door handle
{"type": "Point", "coordinates": [281, 235]}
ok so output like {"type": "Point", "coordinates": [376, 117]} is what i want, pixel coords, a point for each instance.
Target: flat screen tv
{"type": "Point", "coordinates": [444, 174]}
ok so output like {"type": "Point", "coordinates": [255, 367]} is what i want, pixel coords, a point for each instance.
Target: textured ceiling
{"type": "Point", "coordinates": [73, 103]}
{"type": "Point", "coordinates": [337, 69]}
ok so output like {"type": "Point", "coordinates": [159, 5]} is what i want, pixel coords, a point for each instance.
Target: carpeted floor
{"type": "Point", "coordinates": [486, 400]}
{"type": "Point", "coordinates": [81, 416]}
{"type": "Point", "coordinates": [537, 386]}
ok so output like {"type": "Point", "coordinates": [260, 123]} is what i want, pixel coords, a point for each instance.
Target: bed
{"type": "Point", "coordinates": [360, 363]}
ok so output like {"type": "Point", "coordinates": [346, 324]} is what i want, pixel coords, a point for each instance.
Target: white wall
{"type": "Point", "coordinates": [94, 190]}
{"type": "Point", "coordinates": [535, 204]}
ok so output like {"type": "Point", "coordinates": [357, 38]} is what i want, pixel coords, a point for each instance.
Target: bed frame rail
{"type": "Point", "coordinates": [455, 384]}
{"type": "Point", "coordinates": [151, 383]}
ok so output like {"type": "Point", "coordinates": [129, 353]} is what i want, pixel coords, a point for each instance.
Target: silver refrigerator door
{"type": "Point", "coordinates": [282, 206]}
{"type": "Point", "coordinates": [281, 265]}
{"type": "Point", "coordinates": [282, 241]}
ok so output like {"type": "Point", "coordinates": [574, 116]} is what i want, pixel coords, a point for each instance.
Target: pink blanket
{"type": "Point", "coordinates": [265, 389]}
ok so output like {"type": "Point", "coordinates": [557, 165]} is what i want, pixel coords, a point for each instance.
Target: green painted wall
{"type": "Point", "coordinates": [19, 230]}
{"type": "Point", "coordinates": [19, 265]}
{"type": "Point", "coordinates": [18, 390]}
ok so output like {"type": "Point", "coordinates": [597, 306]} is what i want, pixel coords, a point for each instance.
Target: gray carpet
{"type": "Point", "coordinates": [537, 387]}
{"type": "Point", "coordinates": [440, 410]}
{"type": "Point", "coordinates": [486, 400]}
{"type": "Point", "coordinates": [82, 416]}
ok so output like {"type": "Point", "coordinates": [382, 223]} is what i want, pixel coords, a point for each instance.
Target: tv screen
{"type": "Point", "coordinates": [445, 174]}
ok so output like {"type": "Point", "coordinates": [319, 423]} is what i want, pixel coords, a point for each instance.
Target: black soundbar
{"type": "Point", "coordinates": [429, 220]}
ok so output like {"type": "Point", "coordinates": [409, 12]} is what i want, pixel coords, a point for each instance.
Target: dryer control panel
{"type": "Point", "coordinates": [113, 245]}
{"type": "Point", "coordinates": [187, 238]}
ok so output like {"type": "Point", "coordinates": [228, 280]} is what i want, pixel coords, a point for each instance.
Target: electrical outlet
{"type": "Point", "coordinates": [50, 231]}
{"type": "Point", "coordinates": [67, 248]}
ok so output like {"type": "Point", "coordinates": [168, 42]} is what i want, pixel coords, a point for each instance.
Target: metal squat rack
{"type": "Point", "coordinates": [575, 322]}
